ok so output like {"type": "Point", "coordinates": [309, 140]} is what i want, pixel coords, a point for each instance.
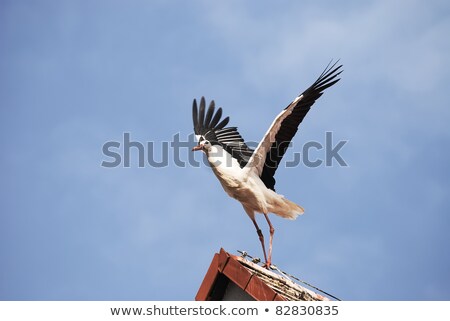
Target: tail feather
{"type": "Point", "coordinates": [288, 209]}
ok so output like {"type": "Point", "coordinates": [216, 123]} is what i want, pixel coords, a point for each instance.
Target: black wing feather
{"type": "Point", "coordinates": [211, 128]}
{"type": "Point", "coordinates": [195, 115]}
{"type": "Point", "coordinates": [216, 118]}
{"type": "Point", "coordinates": [201, 117]}
{"type": "Point", "coordinates": [210, 112]}
{"type": "Point", "coordinates": [223, 123]}
{"type": "Point", "coordinates": [290, 124]}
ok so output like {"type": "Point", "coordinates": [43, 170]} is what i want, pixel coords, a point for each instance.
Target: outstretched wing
{"type": "Point", "coordinates": [271, 149]}
{"type": "Point", "coordinates": [209, 126]}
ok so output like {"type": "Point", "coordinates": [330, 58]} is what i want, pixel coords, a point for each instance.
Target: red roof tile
{"type": "Point", "coordinates": [258, 282]}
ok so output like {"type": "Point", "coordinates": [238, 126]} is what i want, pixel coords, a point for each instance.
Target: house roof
{"type": "Point", "coordinates": [231, 277]}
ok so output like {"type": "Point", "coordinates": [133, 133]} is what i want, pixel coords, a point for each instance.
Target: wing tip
{"type": "Point", "coordinates": [207, 119]}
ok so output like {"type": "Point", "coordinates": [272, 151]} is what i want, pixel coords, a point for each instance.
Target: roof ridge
{"type": "Point", "coordinates": [282, 281]}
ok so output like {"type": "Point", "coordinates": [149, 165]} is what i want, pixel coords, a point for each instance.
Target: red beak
{"type": "Point", "coordinates": [198, 147]}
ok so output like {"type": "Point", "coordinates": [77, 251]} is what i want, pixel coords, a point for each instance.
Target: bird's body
{"type": "Point", "coordinates": [248, 188]}
{"type": "Point", "coordinates": [248, 175]}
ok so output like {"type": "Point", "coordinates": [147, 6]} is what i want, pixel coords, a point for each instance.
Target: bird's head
{"type": "Point", "coordinates": [203, 145]}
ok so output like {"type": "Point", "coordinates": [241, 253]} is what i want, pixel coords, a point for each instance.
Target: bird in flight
{"type": "Point", "coordinates": [245, 174]}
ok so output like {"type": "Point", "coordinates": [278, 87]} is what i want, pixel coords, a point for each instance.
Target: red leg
{"type": "Point", "coordinates": [261, 239]}
{"type": "Point", "coordinates": [272, 231]}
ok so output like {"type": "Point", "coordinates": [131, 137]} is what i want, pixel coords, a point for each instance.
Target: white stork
{"type": "Point", "coordinates": [248, 175]}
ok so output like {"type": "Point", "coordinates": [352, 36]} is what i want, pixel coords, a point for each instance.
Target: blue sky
{"type": "Point", "coordinates": [77, 74]}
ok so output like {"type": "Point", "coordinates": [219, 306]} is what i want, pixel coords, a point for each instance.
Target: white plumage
{"type": "Point", "coordinates": [247, 175]}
